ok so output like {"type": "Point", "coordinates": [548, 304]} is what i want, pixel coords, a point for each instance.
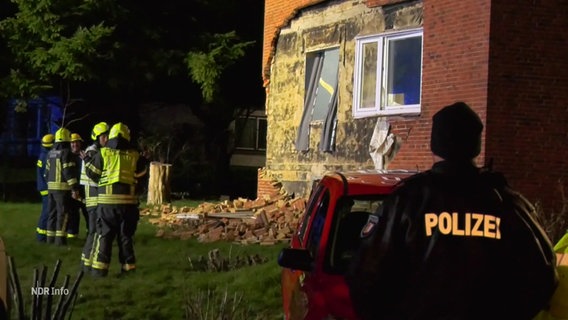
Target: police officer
{"type": "Point", "coordinates": [63, 186]}
{"type": "Point", "coordinates": [46, 143]}
{"type": "Point", "coordinates": [116, 168]}
{"type": "Point", "coordinates": [100, 137]}
{"type": "Point", "coordinates": [78, 207]}
{"type": "Point", "coordinates": [454, 242]}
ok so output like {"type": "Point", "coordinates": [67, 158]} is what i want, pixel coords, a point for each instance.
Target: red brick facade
{"type": "Point", "coordinates": [527, 117]}
{"type": "Point", "coordinates": [507, 59]}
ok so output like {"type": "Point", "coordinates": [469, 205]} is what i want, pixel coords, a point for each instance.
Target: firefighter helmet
{"type": "Point", "coordinates": [119, 129]}
{"type": "Point", "coordinates": [62, 135]}
{"type": "Point", "coordinates": [76, 137]}
{"type": "Point", "coordinates": [98, 129]}
{"type": "Point", "coordinates": [47, 140]}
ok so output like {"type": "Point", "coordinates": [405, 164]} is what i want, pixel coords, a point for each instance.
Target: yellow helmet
{"type": "Point", "coordinates": [98, 129]}
{"type": "Point", "coordinates": [63, 135]}
{"type": "Point", "coordinates": [76, 137]}
{"type": "Point", "coordinates": [47, 140]}
{"type": "Point", "coordinates": [119, 129]}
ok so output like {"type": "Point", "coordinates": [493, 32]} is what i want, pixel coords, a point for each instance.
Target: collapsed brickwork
{"type": "Point", "coordinates": [269, 219]}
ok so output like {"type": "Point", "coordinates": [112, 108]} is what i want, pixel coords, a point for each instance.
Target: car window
{"type": "Point", "coordinates": [310, 208]}
{"type": "Point", "coordinates": [351, 214]}
{"type": "Point", "coordinates": [316, 230]}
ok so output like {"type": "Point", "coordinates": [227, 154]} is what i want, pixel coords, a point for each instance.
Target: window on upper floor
{"type": "Point", "coordinates": [388, 74]}
{"type": "Point", "coordinates": [320, 98]}
{"type": "Point", "coordinates": [251, 133]}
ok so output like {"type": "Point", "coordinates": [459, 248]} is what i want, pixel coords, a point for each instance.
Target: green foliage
{"type": "Point", "coordinates": [206, 67]}
{"type": "Point", "coordinates": [51, 42]}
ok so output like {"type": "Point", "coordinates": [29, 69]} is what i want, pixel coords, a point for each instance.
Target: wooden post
{"type": "Point", "coordinates": [3, 276]}
{"type": "Point", "coordinates": [159, 183]}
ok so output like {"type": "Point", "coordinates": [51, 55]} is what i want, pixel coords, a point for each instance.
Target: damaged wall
{"type": "Point", "coordinates": [333, 24]}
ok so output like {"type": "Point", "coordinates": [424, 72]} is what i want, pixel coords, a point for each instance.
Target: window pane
{"type": "Point", "coordinates": [247, 130]}
{"type": "Point", "coordinates": [262, 134]}
{"type": "Point", "coordinates": [369, 75]}
{"type": "Point", "coordinates": [326, 85]}
{"type": "Point", "coordinates": [404, 69]}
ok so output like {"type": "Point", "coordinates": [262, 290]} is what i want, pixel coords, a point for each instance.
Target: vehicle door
{"type": "Point", "coordinates": [291, 279]}
{"type": "Point", "coordinates": [306, 302]}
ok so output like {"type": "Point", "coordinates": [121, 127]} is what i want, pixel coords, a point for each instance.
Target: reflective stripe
{"type": "Point", "coordinates": [96, 247]}
{"type": "Point", "coordinates": [43, 192]}
{"type": "Point", "coordinates": [40, 163]}
{"type": "Point", "coordinates": [50, 233]}
{"type": "Point", "coordinates": [59, 233]}
{"type": "Point", "coordinates": [91, 202]}
{"type": "Point", "coordinates": [58, 185]}
{"type": "Point", "coordinates": [117, 199]}
{"type": "Point", "coordinates": [41, 231]}
{"type": "Point", "coordinates": [86, 260]}
{"type": "Point", "coordinates": [99, 265]}
{"type": "Point", "coordinates": [71, 235]}
{"type": "Point", "coordinates": [69, 165]}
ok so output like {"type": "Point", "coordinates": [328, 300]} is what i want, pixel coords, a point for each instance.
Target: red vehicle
{"type": "Point", "coordinates": [313, 286]}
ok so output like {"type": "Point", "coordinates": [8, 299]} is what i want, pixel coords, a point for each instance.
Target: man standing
{"type": "Point", "coordinates": [100, 138]}
{"type": "Point", "coordinates": [78, 207]}
{"type": "Point", "coordinates": [116, 168]}
{"type": "Point", "coordinates": [46, 143]}
{"type": "Point", "coordinates": [454, 242]}
{"type": "Point", "coordinates": [63, 186]}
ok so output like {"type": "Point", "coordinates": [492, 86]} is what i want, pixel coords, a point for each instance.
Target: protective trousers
{"type": "Point", "coordinates": [59, 203]}
{"type": "Point", "coordinates": [41, 230]}
{"type": "Point", "coordinates": [114, 221]}
{"type": "Point", "coordinates": [74, 219]}
{"type": "Point", "coordinates": [91, 219]}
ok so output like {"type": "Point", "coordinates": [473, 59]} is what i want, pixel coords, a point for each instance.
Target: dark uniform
{"type": "Point", "coordinates": [100, 136]}
{"type": "Point", "coordinates": [78, 207]}
{"type": "Point", "coordinates": [41, 229]}
{"type": "Point", "coordinates": [454, 242]}
{"type": "Point", "coordinates": [62, 180]}
{"type": "Point", "coordinates": [115, 169]}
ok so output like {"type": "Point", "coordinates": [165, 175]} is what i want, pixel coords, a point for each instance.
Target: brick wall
{"type": "Point", "coordinates": [455, 58]}
{"type": "Point", "coordinates": [267, 186]}
{"type": "Point", "coordinates": [528, 96]}
{"type": "Point", "coordinates": [277, 13]}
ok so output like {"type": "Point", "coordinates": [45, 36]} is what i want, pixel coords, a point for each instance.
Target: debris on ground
{"type": "Point", "coordinates": [267, 220]}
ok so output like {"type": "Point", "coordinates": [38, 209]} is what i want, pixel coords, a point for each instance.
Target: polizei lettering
{"type": "Point", "coordinates": [465, 225]}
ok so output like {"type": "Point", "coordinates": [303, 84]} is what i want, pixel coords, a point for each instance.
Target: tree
{"type": "Point", "coordinates": [122, 53]}
{"type": "Point", "coordinates": [51, 47]}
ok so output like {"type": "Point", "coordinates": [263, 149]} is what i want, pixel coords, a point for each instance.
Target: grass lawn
{"type": "Point", "coordinates": [163, 283]}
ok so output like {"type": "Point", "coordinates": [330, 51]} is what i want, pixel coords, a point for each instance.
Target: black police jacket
{"type": "Point", "coordinates": [453, 243]}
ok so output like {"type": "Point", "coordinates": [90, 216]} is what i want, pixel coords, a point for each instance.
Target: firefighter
{"type": "Point", "coordinates": [62, 185]}
{"type": "Point", "coordinates": [46, 143]}
{"type": "Point", "coordinates": [78, 207]}
{"type": "Point", "coordinates": [116, 169]}
{"type": "Point", "coordinates": [100, 137]}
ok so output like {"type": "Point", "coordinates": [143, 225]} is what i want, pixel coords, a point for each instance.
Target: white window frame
{"type": "Point", "coordinates": [381, 108]}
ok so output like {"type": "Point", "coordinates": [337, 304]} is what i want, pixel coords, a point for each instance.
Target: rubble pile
{"type": "Point", "coordinates": [266, 220]}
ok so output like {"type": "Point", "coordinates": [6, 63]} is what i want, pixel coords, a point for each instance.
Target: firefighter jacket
{"type": "Point", "coordinates": [91, 192]}
{"type": "Point", "coordinates": [40, 171]}
{"type": "Point", "coordinates": [455, 243]}
{"type": "Point", "coordinates": [61, 170]}
{"type": "Point", "coordinates": [116, 168]}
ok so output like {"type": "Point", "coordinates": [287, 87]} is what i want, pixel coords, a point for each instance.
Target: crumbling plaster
{"type": "Point", "coordinates": [327, 25]}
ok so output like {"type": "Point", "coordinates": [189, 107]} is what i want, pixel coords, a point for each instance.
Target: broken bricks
{"type": "Point", "coordinates": [267, 220]}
